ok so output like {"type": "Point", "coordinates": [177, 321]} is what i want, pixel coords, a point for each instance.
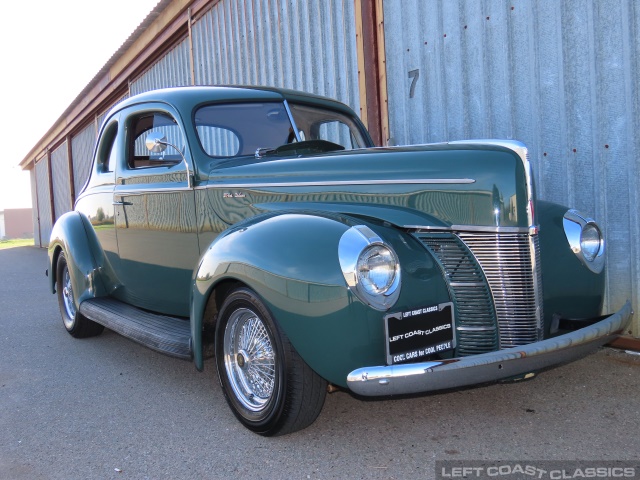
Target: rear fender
{"type": "Point", "coordinates": [73, 235]}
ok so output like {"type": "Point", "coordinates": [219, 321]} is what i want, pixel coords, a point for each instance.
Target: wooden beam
{"type": "Point", "coordinates": [626, 343]}
{"type": "Point", "coordinates": [362, 82]}
{"type": "Point", "coordinates": [191, 61]}
{"type": "Point", "coordinates": [369, 81]}
{"type": "Point", "coordinates": [382, 73]}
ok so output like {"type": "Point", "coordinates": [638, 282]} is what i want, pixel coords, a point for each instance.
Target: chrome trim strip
{"type": "Point", "coordinates": [127, 193]}
{"type": "Point", "coordinates": [476, 329]}
{"type": "Point", "coordinates": [536, 275]}
{"type": "Point", "coordinates": [469, 228]}
{"type": "Point", "coordinates": [487, 367]}
{"type": "Point", "coordinates": [338, 183]}
{"type": "Point", "coordinates": [292, 120]}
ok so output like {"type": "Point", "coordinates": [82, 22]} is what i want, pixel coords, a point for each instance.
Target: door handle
{"type": "Point", "coordinates": [121, 203]}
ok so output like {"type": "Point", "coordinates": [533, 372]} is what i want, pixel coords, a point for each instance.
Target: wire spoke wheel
{"type": "Point", "coordinates": [75, 323]}
{"type": "Point", "coordinates": [68, 299]}
{"type": "Point", "coordinates": [249, 359]}
{"type": "Point", "coordinates": [268, 386]}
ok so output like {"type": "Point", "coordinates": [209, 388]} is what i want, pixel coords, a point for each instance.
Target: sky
{"type": "Point", "coordinates": [49, 51]}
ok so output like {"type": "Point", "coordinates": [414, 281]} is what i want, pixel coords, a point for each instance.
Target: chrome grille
{"type": "Point", "coordinates": [475, 315]}
{"type": "Point", "coordinates": [511, 264]}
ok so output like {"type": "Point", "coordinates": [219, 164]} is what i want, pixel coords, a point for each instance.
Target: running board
{"type": "Point", "coordinates": [168, 335]}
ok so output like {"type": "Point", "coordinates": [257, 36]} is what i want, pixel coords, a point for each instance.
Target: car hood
{"type": "Point", "coordinates": [436, 185]}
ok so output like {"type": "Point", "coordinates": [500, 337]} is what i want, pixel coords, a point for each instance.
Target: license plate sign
{"type": "Point", "coordinates": [419, 332]}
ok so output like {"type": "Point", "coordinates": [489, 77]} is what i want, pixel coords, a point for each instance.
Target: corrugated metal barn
{"type": "Point", "coordinates": [561, 76]}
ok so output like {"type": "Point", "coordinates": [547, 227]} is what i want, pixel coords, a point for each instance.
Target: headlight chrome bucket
{"type": "Point", "coordinates": [370, 267]}
{"type": "Point", "coordinates": [585, 239]}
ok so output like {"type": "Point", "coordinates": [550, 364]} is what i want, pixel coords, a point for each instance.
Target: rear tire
{"type": "Point", "coordinates": [268, 386]}
{"type": "Point", "coordinates": [75, 323]}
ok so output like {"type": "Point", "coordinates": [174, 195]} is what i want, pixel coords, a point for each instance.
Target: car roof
{"type": "Point", "coordinates": [188, 97]}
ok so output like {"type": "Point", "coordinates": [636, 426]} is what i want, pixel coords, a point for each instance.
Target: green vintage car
{"type": "Point", "coordinates": [260, 226]}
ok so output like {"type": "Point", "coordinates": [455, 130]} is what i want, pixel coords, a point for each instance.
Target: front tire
{"type": "Point", "coordinates": [268, 386]}
{"type": "Point", "coordinates": [75, 323]}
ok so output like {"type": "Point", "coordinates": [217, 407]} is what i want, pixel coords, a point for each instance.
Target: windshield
{"type": "Point", "coordinates": [237, 129]}
{"type": "Point", "coordinates": [256, 129]}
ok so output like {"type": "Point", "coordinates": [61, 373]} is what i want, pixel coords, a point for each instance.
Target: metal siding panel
{"type": "Point", "coordinates": [632, 92]}
{"type": "Point", "coordinates": [82, 146]}
{"type": "Point", "coordinates": [309, 46]}
{"type": "Point", "coordinates": [103, 115]}
{"type": "Point", "coordinates": [34, 207]}
{"type": "Point", "coordinates": [172, 70]}
{"type": "Point", "coordinates": [61, 180]}
{"type": "Point", "coordinates": [44, 201]}
{"type": "Point", "coordinates": [557, 75]}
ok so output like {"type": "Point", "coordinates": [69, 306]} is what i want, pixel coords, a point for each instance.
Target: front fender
{"type": "Point", "coordinates": [570, 289]}
{"type": "Point", "coordinates": [71, 235]}
{"type": "Point", "coordinates": [291, 261]}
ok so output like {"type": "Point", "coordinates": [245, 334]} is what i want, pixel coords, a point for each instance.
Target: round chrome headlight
{"type": "Point", "coordinates": [376, 269]}
{"type": "Point", "coordinates": [585, 239]}
{"type": "Point", "coordinates": [590, 241]}
{"type": "Point", "coordinates": [370, 267]}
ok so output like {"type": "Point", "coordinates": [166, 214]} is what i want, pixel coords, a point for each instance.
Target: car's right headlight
{"type": "Point", "coordinates": [585, 239]}
{"type": "Point", "coordinates": [370, 267]}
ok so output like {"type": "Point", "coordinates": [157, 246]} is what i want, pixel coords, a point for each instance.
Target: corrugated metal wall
{"type": "Point", "coordinates": [61, 180]}
{"type": "Point", "coordinates": [307, 46]}
{"type": "Point", "coordinates": [103, 115]}
{"type": "Point", "coordinates": [44, 201]}
{"type": "Point", "coordinates": [302, 45]}
{"type": "Point", "coordinates": [34, 207]}
{"type": "Point", "coordinates": [173, 70]}
{"type": "Point", "coordinates": [562, 76]}
{"type": "Point", "coordinates": [82, 152]}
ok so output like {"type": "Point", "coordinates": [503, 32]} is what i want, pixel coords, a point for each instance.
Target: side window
{"type": "Point", "coordinates": [336, 132]}
{"type": "Point", "coordinates": [317, 123]}
{"type": "Point", "coordinates": [107, 153]}
{"type": "Point", "coordinates": [138, 156]}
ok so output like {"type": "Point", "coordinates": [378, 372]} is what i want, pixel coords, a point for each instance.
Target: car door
{"type": "Point", "coordinates": [155, 214]}
{"type": "Point", "coordinates": [95, 201]}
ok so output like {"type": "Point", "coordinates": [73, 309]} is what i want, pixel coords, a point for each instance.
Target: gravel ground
{"type": "Point", "coordinates": [107, 408]}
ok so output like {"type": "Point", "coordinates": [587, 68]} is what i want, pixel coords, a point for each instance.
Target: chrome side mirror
{"type": "Point", "coordinates": [156, 142]}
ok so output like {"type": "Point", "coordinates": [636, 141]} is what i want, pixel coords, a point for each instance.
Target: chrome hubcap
{"type": "Point", "coordinates": [249, 359]}
{"type": "Point", "coordinates": [67, 297]}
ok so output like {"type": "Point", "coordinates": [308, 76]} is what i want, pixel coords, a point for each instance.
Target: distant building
{"type": "Point", "coordinates": [16, 223]}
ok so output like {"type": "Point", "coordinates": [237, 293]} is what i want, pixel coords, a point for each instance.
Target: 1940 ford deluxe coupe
{"type": "Point", "coordinates": [260, 225]}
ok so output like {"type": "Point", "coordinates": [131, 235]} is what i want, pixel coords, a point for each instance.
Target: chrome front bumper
{"type": "Point", "coordinates": [487, 367]}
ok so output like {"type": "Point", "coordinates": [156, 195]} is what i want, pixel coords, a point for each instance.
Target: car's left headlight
{"type": "Point", "coordinates": [370, 267]}
{"type": "Point", "coordinates": [585, 239]}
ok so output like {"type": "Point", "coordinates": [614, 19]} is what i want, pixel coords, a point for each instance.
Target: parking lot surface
{"type": "Point", "coordinates": [106, 407]}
